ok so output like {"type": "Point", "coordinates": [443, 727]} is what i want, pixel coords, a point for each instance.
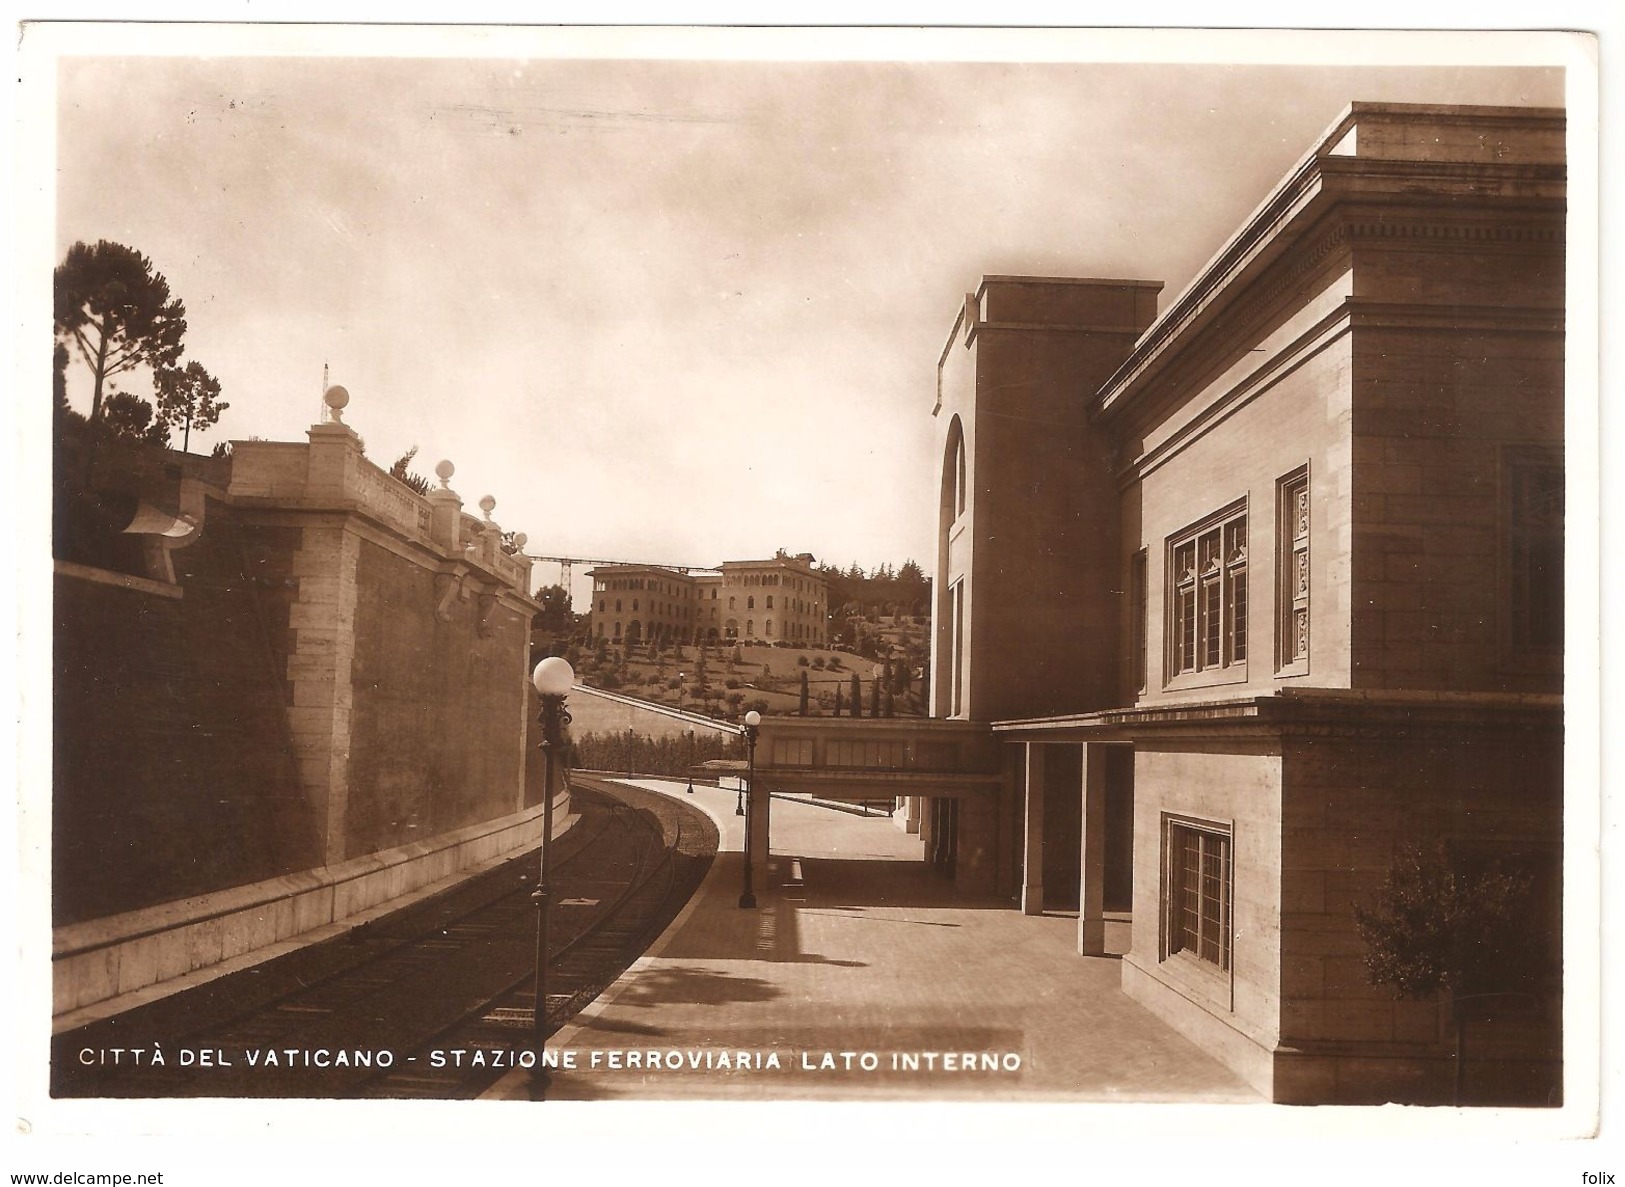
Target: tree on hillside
{"type": "Point", "coordinates": [187, 396]}
{"type": "Point", "coordinates": [555, 617]}
{"type": "Point", "coordinates": [804, 693]}
{"type": "Point", "coordinates": [857, 696]}
{"type": "Point", "coordinates": [112, 305]}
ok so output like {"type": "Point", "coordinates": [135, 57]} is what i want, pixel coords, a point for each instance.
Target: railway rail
{"type": "Point", "coordinates": [434, 1002]}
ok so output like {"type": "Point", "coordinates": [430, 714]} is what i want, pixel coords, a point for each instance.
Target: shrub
{"type": "Point", "coordinates": [802, 661]}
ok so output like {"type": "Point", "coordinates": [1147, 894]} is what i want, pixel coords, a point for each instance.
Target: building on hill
{"type": "Point", "coordinates": [1250, 596]}
{"type": "Point", "coordinates": [774, 601]}
{"type": "Point", "coordinates": [639, 603]}
{"type": "Point", "coordinates": [769, 601]}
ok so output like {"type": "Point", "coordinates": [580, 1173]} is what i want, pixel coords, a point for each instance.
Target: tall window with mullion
{"type": "Point", "coordinates": [1292, 498]}
{"type": "Point", "coordinates": [1198, 893]}
{"type": "Point", "coordinates": [1208, 565]}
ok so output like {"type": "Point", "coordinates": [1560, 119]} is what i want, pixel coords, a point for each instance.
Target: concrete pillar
{"type": "Point", "coordinates": [909, 818]}
{"type": "Point", "coordinates": [1092, 859]}
{"type": "Point", "coordinates": [332, 462]}
{"type": "Point", "coordinates": [319, 674]}
{"type": "Point", "coordinates": [1032, 863]}
{"type": "Point", "coordinates": [446, 511]}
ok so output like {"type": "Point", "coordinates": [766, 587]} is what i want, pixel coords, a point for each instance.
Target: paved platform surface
{"type": "Point", "coordinates": [863, 975]}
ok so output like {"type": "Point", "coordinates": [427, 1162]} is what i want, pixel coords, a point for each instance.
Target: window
{"type": "Point", "coordinates": [1292, 499]}
{"type": "Point", "coordinates": [770, 601]}
{"type": "Point", "coordinates": [1138, 610]}
{"type": "Point", "coordinates": [1196, 892]}
{"type": "Point", "coordinates": [873, 755]}
{"type": "Point", "coordinates": [792, 752]}
{"type": "Point", "coordinates": [957, 649]}
{"type": "Point", "coordinates": [769, 631]}
{"type": "Point", "coordinates": [1207, 568]}
{"type": "Point", "coordinates": [750, 603]}
{"type": "Point", "coordinates": [1533, 550]}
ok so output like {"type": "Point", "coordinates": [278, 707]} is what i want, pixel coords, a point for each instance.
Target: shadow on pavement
{"type": "Point", "coordinates": [659, 987]}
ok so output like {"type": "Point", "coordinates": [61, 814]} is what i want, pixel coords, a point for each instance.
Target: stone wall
{"type": "Point", "coordinates": [320, 686]}
{"type": "Point", "coordinates": [1351, 805]}
{"type": "Point", "coordinates": [173, 765]}
{"type": "Point", "coordinates": [594, 711]}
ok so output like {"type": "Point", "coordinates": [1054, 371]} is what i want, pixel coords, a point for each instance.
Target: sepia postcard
{"type": "Point", "coordinates": [1027, 585]}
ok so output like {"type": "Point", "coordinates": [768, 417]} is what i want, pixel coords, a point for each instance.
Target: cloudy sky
{"type": "Point", "coordinates": [680, 300]}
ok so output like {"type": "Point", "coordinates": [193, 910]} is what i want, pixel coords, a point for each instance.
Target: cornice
{"type": "Point", "coordinates": [1346, 713]}
{"type": "Point", "coordinates": [1349, 231]}
{"type": "Point", "coordinates": [1363, 201]}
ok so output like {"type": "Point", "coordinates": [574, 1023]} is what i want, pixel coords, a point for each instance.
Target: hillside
{"type": "Point", "coordinates": [730, 679]}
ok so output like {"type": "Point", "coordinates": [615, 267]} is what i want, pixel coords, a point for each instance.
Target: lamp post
{"type": "Point", "coordinates": [553, 679]}
{"type": "Point", "coordinates": [747, 897]}
{"type": "Point", "coordinates": [690, 734]}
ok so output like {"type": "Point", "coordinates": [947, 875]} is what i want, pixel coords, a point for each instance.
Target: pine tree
{"type": "Point", "coordinates": [118, 311]}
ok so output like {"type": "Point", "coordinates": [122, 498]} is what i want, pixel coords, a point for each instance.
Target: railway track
{"type": "Point", "coordinates": [435, 1002]}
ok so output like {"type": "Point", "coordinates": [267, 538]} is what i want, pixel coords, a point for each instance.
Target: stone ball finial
{"type": "Point", "coordinates": [520, 540]}
{"type": "Point", "coordinates": [488, 505]}
{"type": "Point", "coordinates": [336, 398]}
{"type": "Point", "coordinates": [443, 470]}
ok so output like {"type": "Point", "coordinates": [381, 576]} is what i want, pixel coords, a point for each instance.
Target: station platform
{"type": "Point", "coordinates": [862, 974]}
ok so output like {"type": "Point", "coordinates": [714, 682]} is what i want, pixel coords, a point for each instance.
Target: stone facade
{"type": "Point", "coordinates": [1275, 592]}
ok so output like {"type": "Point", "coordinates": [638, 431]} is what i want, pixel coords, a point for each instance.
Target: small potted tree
{"type": "Point", "coordinates": [1434, 928]}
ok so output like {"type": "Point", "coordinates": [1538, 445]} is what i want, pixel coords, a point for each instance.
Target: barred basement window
{"type": "Point", "coordinates": [1208, 599]}
{"type": "Point", "coordinates": [1196, 893]}
{"type": "Point", "coordinates": [1292, 497]}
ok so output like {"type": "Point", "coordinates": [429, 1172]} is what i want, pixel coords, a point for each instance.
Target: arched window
{"type": "Point", "coordinates": [954, 486]}
{"type": "Point", "coordinates": [770, 628]}
{"type": "Point", "coordinates": [750, 627]}
{"type": "Point", "coordinates": [770, 601]}
{"type": "Point", "coordinates": [750, 603]}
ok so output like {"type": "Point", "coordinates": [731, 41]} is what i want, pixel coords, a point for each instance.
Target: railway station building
{"type": "Point", "coordinates": [1237, 600]}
